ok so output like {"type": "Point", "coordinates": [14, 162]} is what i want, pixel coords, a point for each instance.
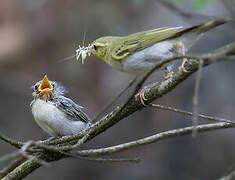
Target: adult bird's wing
{"type": "Point", "coordinates": [130, 44]}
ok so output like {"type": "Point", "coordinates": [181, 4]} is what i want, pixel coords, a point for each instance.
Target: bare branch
{"type": "Point", "coordinates": [23, 152]}
{"type": "Point", "coordinates": [22, 170]}
{"type": "Point", "coordinates": [102, 160]}
{"type": "Point", "coordinates": [12, 142]}
{"type": "Point", "coordinates": [202, 116]}
{"type": "Point", "coordinates": [12, 166]}
{"type": "Point", "coordinates": [154, 138]}
{"type": "Point", "coordinates": [78, 144]}
{"type": "Point", "coordinates": [195, 97]}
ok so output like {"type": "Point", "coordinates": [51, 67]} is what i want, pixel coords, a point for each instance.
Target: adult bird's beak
{"type": "Point", "coordinates": [45, 89]}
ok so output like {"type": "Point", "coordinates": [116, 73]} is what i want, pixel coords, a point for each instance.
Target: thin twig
{"type": "Point", "coordinates": [14, 143]}
{"type": "Point", "coordinates": [202, 116]}
{"type": "Point", "coordinates": [153, 139]}
{"type": "Point", "coordinates": [103, 160]}
{"type": "Point", "coordinates": [78, 144]}
{"type": "Point", "coordinates": [37, 146]}
{"type": "Point", "coordinates": [132, 160]}
{"type": "Point", "coordinates": [23, 152]}
{"type": "Point", "coordinates": [195, 97]}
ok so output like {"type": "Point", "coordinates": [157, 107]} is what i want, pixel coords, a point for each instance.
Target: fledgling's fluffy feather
{"type": "Point", "coordinates": [57, 115]}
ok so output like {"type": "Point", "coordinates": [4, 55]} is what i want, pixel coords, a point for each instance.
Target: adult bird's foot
{"type": "Point", "coordinates": [180, 51]}
{"type": "Point", "coordinates": [141, 94]}
{"type": "Point", "coordinates": [182, 67]}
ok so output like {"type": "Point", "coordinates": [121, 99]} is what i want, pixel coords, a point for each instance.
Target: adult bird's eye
{"type": "Point", "coordinates": [95, 47]}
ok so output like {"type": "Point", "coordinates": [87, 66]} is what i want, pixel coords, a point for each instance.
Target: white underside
{"type": "Point", "coordinates": [145, 59]}
{"type": "Point", "coordinates": [53, 121]}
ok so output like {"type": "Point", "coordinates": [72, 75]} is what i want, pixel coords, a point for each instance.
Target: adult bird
{"type": "Point", "coordinates": [139, 52]}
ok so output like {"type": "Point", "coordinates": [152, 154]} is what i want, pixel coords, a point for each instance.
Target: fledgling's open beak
{"type": "Point", "coordinates": [45, 89]}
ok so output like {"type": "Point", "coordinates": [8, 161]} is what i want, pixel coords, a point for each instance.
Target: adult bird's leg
{"type": "Point", "coordinates": [180, 51]}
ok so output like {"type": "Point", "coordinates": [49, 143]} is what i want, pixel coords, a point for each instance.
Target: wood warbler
{"type": "Point", "coordinates": [139, 52]}
{"type": "Point", "coordinates": [54, 113]}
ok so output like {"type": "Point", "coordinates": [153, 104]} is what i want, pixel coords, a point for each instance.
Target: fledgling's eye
{"type": "Point", "coordinates": [53, 85]}
{"type": "Point", "coordinates": [36, 87]}
{"type": "Point", "coordinates": [95, 47]}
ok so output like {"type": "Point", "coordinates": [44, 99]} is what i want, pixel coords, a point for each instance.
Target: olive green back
{"type": "Point", "coordinates": [128, 45]}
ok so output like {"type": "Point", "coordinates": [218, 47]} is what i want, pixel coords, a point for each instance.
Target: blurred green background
{"type": "Point", "coordinates": [36, 35]}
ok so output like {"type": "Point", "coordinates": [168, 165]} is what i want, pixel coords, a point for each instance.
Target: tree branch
{"type": "Point", "coordinates": [10, 141]}
{"type": "Point", "coordinates": [202, 116]}
{"type": "Point", "coordinates": [12, 166]}
{"type": "Point", "coordinates": [154, 138]}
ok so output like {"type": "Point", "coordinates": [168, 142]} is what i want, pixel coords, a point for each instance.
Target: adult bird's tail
{"type": "Point", "coordinates": [189, 35]}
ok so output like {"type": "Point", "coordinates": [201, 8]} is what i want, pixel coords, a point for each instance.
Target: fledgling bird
{"type": "Point", "coordinates": [54, 113]}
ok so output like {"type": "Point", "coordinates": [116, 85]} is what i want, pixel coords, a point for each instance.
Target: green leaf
{"type": "Point", "coordinates": [200, 4]}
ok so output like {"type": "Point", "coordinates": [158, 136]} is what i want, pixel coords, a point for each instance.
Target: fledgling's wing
{"type": "Point", "coordinates": [71, 109]}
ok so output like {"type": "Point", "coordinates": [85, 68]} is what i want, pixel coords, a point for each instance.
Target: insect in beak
{"type": "Point", "coordinates": [83, 51]}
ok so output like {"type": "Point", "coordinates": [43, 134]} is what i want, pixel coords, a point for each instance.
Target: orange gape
{"type": "Point", "coordinates": [46, 94]}
{"type": "Point", "coordinates": [45, 84]}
